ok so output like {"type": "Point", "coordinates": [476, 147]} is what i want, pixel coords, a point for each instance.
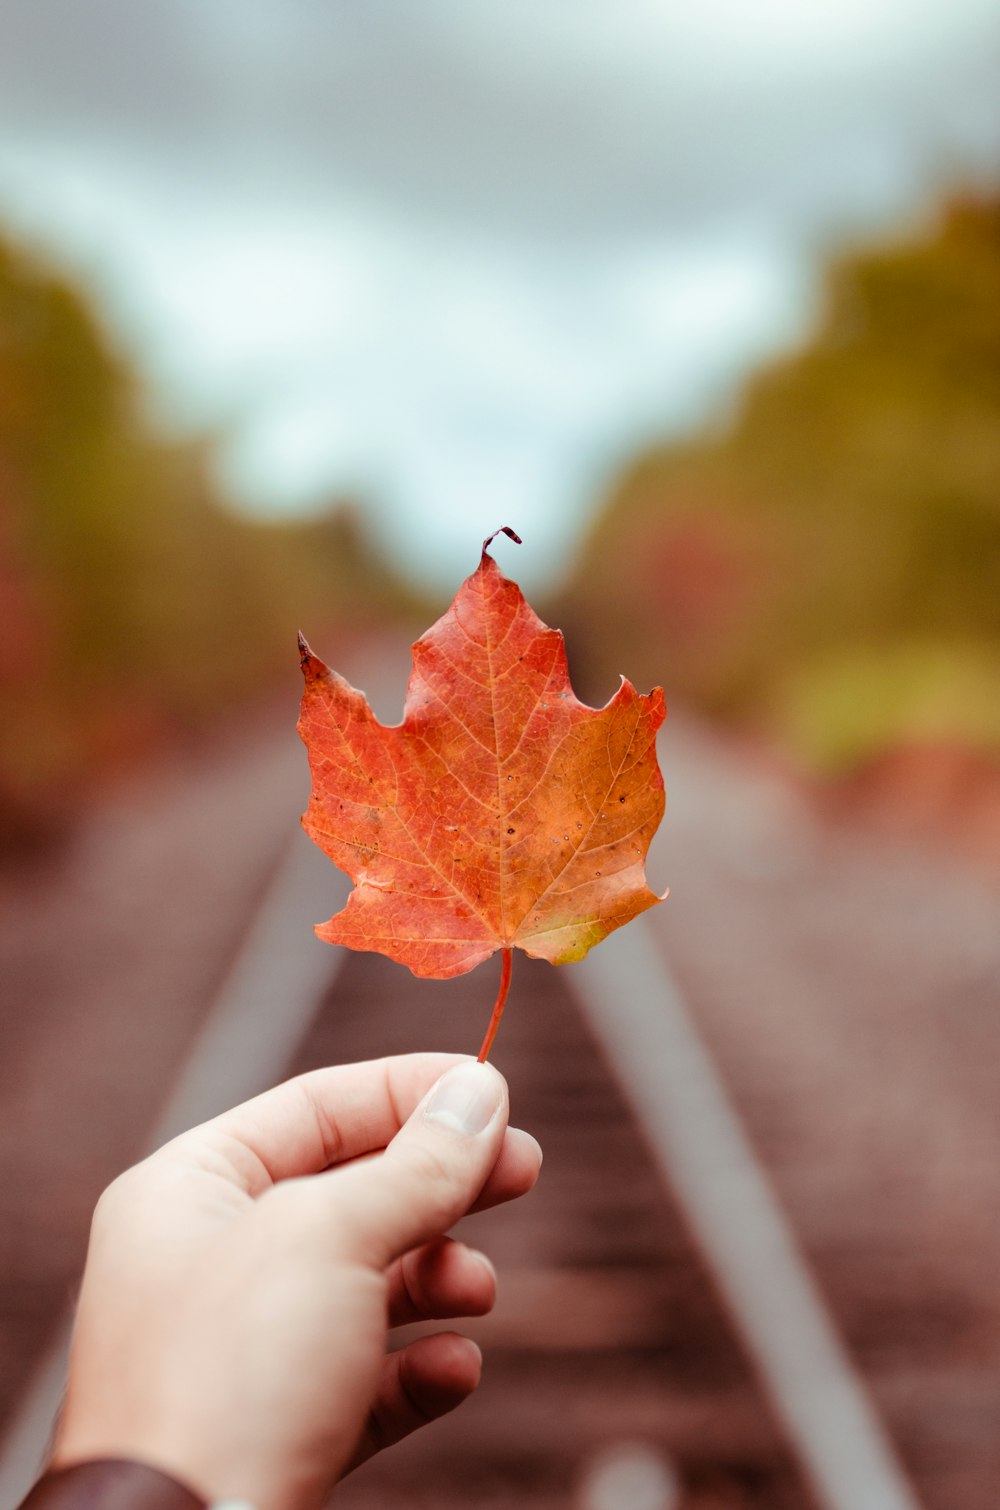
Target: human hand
{"type": "Point", "coordinates": [239, 1284]}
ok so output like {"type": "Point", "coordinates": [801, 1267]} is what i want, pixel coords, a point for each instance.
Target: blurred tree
{"type": "Point", "coordinates": [133, 603]}
{"type": "Point", "coordinates": [829, 569]}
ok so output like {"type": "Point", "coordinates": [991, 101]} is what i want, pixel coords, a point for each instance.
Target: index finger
{"type": "Point", "coordinates": [315, 1120]}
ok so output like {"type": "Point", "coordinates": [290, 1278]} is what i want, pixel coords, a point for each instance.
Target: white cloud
{"type": "Point", "coordinates": [459, 256]}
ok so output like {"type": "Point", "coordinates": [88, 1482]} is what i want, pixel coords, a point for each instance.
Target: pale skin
{"type": "Point", "coordinates": [241, 1282]}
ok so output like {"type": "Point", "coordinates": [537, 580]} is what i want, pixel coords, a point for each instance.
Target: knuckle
{"type": "Point", "coordinates": [428, 1165]}
{"type": "Point", "coordinates": [412, 1286]}
{"type": "Point", "coordinates": [114, 1199]}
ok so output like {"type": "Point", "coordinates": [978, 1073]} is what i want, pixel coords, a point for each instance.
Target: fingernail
{"type": "Point", "coordinates": [528, 1137]}
{"type": "Point", "coordinates": [484, 1263]}
{"type": "Point", "coordinates": [466, 1099]}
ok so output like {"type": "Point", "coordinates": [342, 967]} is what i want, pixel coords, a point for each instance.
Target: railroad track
{"type": "Point", "coordinates": [610, 1330]}
{"type": "Point", "coordinates": [654, 1299]}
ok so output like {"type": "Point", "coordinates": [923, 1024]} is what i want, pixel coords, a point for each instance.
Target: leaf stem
{"type": "Point", "coordinates": [498, 1005]}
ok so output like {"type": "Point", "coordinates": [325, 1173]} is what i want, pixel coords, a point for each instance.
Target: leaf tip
{"type": "Point", "coordinates": [504, 529]}
{"type": "Point", "coordinates": [307, 660]}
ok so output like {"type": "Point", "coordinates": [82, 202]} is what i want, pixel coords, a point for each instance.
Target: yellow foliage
{"type": "Point", "coordinates": [133, 603]}
{"type": "Point", "coordinates": [850, 518]}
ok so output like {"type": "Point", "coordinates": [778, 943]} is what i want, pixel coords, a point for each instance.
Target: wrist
{"type": "Point", "coordinates": [205, 1475]}
{"type": "Point", "coordinates": [155, 1428]}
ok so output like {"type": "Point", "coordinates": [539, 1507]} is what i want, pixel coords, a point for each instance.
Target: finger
{"type": "Point", "coordinates": [431, 1173]}
{"type": "Point", "coordinates": [314, 1121]}
{"type": "Point", "coordinates": [421, 1382]}
{"type": "Point", "coordinates": [443, 1278]}
{"type": "Point", "coordinates": [515, 1172]}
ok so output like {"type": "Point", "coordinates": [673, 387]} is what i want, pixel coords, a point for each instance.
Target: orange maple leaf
{"type": "Point", "coordinates": [501, 813]}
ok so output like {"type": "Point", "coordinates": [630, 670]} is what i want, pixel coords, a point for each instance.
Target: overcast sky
{"type": "Point", "coordinates": [459, 258]}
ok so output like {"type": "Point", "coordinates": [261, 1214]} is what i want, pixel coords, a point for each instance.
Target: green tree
{"type": "Point", "coordinates": [829, 569]}
{"type": "Point", "coordinates": [134, 603]}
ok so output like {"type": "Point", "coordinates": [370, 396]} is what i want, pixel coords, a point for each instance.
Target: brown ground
{"type": "Point", "coordinates": [846, 980]}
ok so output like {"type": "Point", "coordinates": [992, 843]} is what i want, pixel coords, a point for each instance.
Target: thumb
{"type": "Point", "coordinates": [431, 1172]}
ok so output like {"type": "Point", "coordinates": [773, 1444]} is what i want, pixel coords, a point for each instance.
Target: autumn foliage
{"type": "Point", "coordinates": [501, 813]}
{"type": "Point", "coordinates": [120, 564]}
{"type": "Point", "coordinates": [824, 569]}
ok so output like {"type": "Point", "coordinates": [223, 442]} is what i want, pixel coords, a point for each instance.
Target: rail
{"type": "Point", "coordinates": [678, 1099]}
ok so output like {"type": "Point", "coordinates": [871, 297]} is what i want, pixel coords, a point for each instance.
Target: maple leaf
{"type": "Point", "coordinates": [501, 813]}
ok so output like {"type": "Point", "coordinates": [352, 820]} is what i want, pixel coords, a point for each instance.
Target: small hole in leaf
{"type": "Point", "coordinates": [597, 872]}
{"type": "Point", "coordinates": [510, 831]}
{"type": "Point", "coordinates": [621, 799]}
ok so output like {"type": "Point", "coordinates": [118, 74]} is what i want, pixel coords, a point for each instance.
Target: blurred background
{"type": "Point", "coordinates": [298, 302]}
